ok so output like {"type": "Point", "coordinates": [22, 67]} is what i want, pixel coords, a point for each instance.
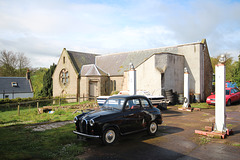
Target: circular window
{"type": "Point", "coordinates": [64, 77]}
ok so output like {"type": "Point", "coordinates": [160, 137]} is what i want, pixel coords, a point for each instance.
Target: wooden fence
{"type": "Point", "coordinates": [56, 103]}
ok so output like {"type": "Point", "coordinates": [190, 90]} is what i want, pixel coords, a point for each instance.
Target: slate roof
{"type": "Point", "coordinates": [79, 59]}
{"type": "Point", "coordinates": [92, 70]}
{"type": "Point", "coordinates": [22, 87]}
{"type": "Point", "coordinates": [116, 64]}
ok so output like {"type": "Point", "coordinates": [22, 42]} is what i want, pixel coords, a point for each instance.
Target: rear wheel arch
{"type": "Point", "coordinates": [229, 102]}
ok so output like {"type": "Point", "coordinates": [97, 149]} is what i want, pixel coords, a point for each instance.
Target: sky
{"type": "Point", "coordinates": [42, 28]}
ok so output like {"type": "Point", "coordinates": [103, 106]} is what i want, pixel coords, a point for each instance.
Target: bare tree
{"type": "Point", "coordinates": [22, 63]}
{"type": "Point", "coordinates": [13, 64]}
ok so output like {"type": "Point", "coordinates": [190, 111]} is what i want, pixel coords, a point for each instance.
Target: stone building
{"type": "Point", "coordinates": [84, 74]}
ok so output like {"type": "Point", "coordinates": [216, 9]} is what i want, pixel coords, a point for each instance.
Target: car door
{"type": "Point", "coordinates": [147, 112]}
{"type": "Point", "coordinates": [238, 93]}
{"type": "Point", "coordinates": [131, 116]}
{"type": "Point", "coordinates": [233, 95]}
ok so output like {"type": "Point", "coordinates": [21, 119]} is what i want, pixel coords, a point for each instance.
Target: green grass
{"type": "Point", "coordinates": [17, 142]}
{"type": "Point", "coordinates": [204, 140]}
{"type": "Point", "coordinates": [27, 116]}
{"type": "Point", "coordinates": [200, 105]}
{"type": "Point", "coordinates": [30, 115]}
{"type": "Point", "coordinates": [236, 144]}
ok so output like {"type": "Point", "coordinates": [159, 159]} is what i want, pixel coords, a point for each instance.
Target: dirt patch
{"type": "Point", "coordinates": [48, 126]}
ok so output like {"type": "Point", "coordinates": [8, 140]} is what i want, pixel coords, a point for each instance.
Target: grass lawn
{"type": "Point", "coordinates": [30, 115]}
{"type": "Point", "coordinates": [27, 116]}
{"type": "Point", "coordinates": [200, 105]}
{"type": "Point", "coordinates": [17, 142]}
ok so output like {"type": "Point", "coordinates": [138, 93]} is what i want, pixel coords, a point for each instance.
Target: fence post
{"type": "Point", "coordinates": [18, 109]}
{"type": "Point", "coordinates": [37, 106]}
{"type": "Point", "coordinates": [59, 101]}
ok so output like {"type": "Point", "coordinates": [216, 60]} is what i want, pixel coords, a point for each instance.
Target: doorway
{"type": "Point", "coordinates": [93, 89]}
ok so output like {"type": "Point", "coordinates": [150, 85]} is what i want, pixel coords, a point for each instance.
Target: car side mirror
{"type": "Point", "coordinates": [211, 93]}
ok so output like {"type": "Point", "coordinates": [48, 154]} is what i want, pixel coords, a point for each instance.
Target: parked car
{"type": "Point", "coordinates": [119, 115]}
{"type": "Point", "coordinates": [232, 95]}
{"type": "Point", "coordinates": [158, 101]}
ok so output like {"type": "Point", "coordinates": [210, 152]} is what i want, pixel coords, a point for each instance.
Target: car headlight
{"type": "Point", "coordinates": [75, 119]}
{"type": "Point", "coordinates": [208, 99]}
{"type": "Point", "coordinates": [91, 122]}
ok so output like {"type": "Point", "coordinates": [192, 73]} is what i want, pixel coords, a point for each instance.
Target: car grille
{"type": "Point", "coordinates": [83, 125]}
{"type": "Point", "coordinates": [212, 99]}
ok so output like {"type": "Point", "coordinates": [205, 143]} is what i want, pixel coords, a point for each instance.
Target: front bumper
{"type": "Point", "coordinates": [86, 135]}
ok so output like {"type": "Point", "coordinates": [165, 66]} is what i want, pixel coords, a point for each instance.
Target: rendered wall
{"type": "Point", "coordinates": [17, 95]}
{"type": "Point", "coordinates": [171, 66]}
{"type": "Point", "coordinates": [148, 77]}
{"type": "Point", "coordinates": [192, 62]}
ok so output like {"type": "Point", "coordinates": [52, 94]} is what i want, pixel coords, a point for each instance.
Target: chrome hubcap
{"type": "Point", "coordinates": [153, 127]}
{"type": "Point", "coordinates": [110, 136]}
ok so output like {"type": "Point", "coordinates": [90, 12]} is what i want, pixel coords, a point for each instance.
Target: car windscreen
{"type": "Point", "coordinates": [113, 103]}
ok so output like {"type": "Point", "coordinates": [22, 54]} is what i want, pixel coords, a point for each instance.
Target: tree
{"type": "Point", "coordinates": [23, 63]}
{"type": "Point", "coordinates": [228, 64]}
{"type": "Point", "coordinates": [37, 80]}
{"type": "Point", "coordinates": [13, 64]}
{"type": "Point", "coordinates": [47, 82]}
{"type": "Point", "coordinates": [236, 72]}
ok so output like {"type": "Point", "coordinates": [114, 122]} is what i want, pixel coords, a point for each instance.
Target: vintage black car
{"type": "Point", "coordinates": [119, 115]}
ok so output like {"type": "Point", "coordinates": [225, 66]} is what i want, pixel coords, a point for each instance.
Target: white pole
{"type": "Point", "coordinates": [220, 96]}
{"type": "Point", "coordinates": [132, 80]}
{"type": "Point", "coordinates": [186, 88]}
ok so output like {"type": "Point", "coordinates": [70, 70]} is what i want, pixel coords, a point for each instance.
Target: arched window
{"type": "Point", "coordinates": [114, 85]}
{"type": "Point", "coordinates": [64, 77]}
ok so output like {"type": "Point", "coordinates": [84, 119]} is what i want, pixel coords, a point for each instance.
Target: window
{"type": "Point", "coordinates": [14, 84]}
{"type": "Point", "coordinates": [63, 60]}
{"type": "Point", "coordinates": [227, 92]}
{"type": "Point", "coordinates": [133, 104]}
{"type": "Point", "coordinates": [144, 103]}
{"type": "Point", "coordinates": [114, 85]}
{"type": "Point", "coordinates": [64, 77]}
{"type": "Point", "coordinates": [113, 103]}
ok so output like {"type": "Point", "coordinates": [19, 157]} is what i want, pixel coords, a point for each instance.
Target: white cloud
{"type": "Point", "coordinates": [44, 28]}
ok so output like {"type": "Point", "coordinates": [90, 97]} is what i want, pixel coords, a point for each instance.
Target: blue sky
{"type": "Point", "coordinates": [41, 29]}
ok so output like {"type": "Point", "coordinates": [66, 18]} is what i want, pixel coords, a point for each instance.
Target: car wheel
{"type": "Point", "coordinates": [152, 128]}
{"type": "Point", "coordinates": [110, 136]}
{"type": "Point", "coordinates": [229, 102]}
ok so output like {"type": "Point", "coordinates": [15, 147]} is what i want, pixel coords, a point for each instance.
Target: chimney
{"type": "Point", "coordinates": [28, 75]}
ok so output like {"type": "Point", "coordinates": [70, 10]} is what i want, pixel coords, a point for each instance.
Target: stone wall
{"type": "Point", "coordinates": [71, 88]}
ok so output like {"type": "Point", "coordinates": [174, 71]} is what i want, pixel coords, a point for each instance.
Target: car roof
{"type": "Point", "coordinates": [128, 96]}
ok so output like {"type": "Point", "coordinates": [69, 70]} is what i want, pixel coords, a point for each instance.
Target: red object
{"type": "Point", "coordinates": [232, 95]}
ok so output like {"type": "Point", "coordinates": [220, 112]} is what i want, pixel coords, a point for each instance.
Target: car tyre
{"type": "Point", "coordinates": [152, 128]}
{"type": "Point", "coordinates": [229, 102]}
{"type": "Point", "coordinates": [110, 136]}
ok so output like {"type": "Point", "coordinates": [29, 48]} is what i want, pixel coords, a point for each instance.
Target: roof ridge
{"type": "Point", "coordinates": [143, 50]}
